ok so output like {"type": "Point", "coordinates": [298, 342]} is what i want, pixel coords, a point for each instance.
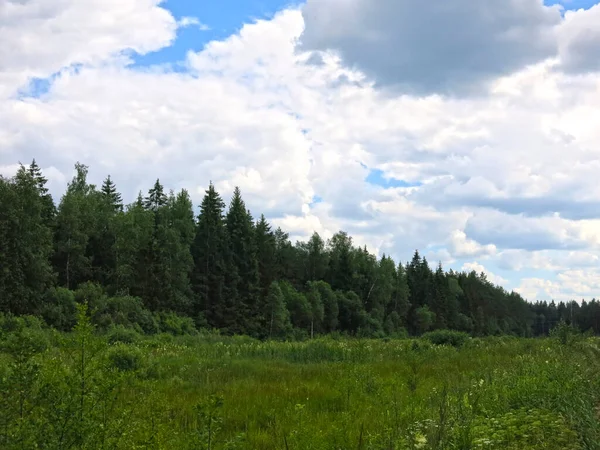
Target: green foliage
{"type": "Point", "coordinates": [59, 308]}
{"type": "Point", "coordinates": [86, 390]}
{"type": "Point", "coordinates": [170, 322]}
{"type": "Point", "coordinates": [424, 319]}
{"type": "Point", "coordinates": [129, 312]}
{"type": "Point", "coordinates": [121, 334]}
{"type": "Point", "coordinates": [125, 357]}
{"type": "Point", "coordinates": [525, 429]}
{"type": "Point", "coordinates": [446, 337]}
{"type": "Point", "coordinates": [565, 334]}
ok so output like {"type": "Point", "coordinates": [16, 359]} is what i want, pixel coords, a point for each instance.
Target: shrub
{"type": "Point", "coordinates": [122, 334]}
{"type": "Point", "coordinates": [446, 337]}
{"type": "Point", "coordinates": [25, 342]}
{"type": "Point", "coordinates": [169, 322]}
{"type": "Point", "coordinates": [59, 308]}
{"type": "Point", "coordinates": [93, 294]}
{"type": "Point", "coordinates": [126, 311]}
{"type": "Point", "coordinates": [124, 357]}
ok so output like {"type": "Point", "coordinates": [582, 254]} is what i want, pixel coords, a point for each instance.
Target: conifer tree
{"type": "Point", "coordinates": [266, 255]}
{"type": "Point", "coordinates": [241, 234]}
{"type": "Point", "coordinates": [48, 207]}
{"type": "Point", "coordinates": [111, 195]}
{"type": "Point", "coordinates": [133, 230]}
{"type": "Point", "coordinates": [156, 197]}
{"type": "Point", "coordinates": [25, 272]}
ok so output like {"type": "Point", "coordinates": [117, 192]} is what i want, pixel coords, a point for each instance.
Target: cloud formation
{"type": "Point", "coordinates": [41, 37]}
{"type": "Point", "coordinates": [451, 47]}
{"type": "Point", "coordinates": [508, 178]}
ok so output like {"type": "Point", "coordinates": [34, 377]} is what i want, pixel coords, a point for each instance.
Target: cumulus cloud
{"type": "Point", "coordinates": [461, 246]}
{"type": "Point", "coordinates": [478, 268]}
{"type": "Point", "coordinates": [451, 47]}
{"type": "Point", "coordinates": [517, 231]}
{"type": "Point", "coordinates": [40, 37]}
{"type": "Point", "coordinates": [579, 41]}
{"type": "Point", "coordinates": [547, 260]}
{"type": "Point", "coordinates": [570, 285]}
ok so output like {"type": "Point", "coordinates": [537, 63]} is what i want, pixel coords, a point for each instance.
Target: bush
{"type": "Point", "coordinates": [59, 308]}
{"type": "Point", "coordinates": [125, 358]}
{"type": "Point", "coordinates": [25, 342]}
{"type": "Point", "coordinates": [121, 334]}
{"type": "Point", "coordinates": [128, 312]}
{"type": "Point", "coordinates": [93, 294]}
{"type": "Point", "coordinates": [446, 337]}
{"type": "Point", "coordinates": [169, 322]}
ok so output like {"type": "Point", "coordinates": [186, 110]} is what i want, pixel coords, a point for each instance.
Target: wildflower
{"type": "Point", "coordinates": [420, 441]}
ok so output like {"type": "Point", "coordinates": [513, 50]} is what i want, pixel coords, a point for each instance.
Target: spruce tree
{"type": "Point", "coordinates": [266, 254]}
{"type": "Point", "coordinates": [241, 234]}
{"type": "Point", "coordinates": [25, 271]}
{"type": "Point", "coordinates": [210, 252]}
{"type": "Point", "coordinates": [48, 207]}
{"type": "Point", "coordinates": [111, 196]}
{"type": "Point", "coordinates": [156, 197]}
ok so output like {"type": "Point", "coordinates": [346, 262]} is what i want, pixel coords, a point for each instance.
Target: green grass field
{"type": "Point", "coordinates": [126, 391]}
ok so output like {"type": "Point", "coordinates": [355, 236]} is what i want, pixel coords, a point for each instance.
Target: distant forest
{"type": "Point", "coordinates": [154, 265]}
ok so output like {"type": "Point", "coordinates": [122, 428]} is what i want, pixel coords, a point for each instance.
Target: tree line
{"type": "Point", "coordinates": [154, 264]}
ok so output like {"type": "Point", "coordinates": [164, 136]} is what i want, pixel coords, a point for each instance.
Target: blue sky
{"type": "Point", "coordinates": [223, 18]}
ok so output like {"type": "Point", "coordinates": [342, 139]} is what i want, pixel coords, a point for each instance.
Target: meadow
{"type": "Point", "coordinates": [123, 390]}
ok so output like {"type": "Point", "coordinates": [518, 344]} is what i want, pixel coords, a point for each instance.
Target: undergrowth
{"type": "Point", "coordinates": [123, 390]}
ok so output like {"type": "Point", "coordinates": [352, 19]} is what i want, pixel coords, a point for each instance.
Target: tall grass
{"type": "Point", "coordinates": [81, 390]}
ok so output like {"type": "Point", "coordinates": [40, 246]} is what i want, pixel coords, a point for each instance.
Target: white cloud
{"type": "Point", "coordinates": [192, 21]}
{"type": "Point", "coordinates": [510, 178]}
{"type": "Point", "coordinates": [478, 268]}
{"type": "Point", "coordinates": [569, 285]}
{"type": "Point", "coordinates": [579, 40]}
{"type": "Point", "coordinates": [40, 37]}
{"type": "Point", "coordinates": [461, 246]}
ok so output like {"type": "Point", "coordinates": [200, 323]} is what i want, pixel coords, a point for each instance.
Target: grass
{"type": "Point", "coordinates": [236, 393]}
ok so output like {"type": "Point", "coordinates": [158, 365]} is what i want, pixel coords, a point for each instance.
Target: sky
{"type": "Point", "coordinates": [468, 130]}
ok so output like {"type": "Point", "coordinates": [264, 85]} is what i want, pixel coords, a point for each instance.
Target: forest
{"type": "Point", "coordinates": [148, 326]}
{"type": "Point", "coordinates": [155, 264]}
